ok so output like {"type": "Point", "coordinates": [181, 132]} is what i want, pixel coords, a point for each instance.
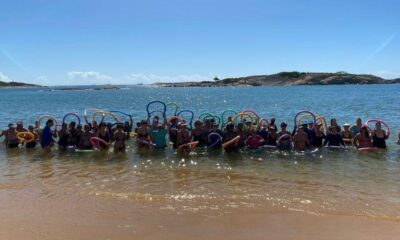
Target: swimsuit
{"type": "Point", "coordinates": [378, 142]}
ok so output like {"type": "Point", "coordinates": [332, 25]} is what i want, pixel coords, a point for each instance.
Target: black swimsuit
{"type": "Point", "coordinates": [378, 142]}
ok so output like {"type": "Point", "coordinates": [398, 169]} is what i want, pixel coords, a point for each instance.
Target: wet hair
{"type": "Point", "coordinates": [272, 120]}
{"type": "Point", "coordinates": [230, 126]}
{"type": "Point", "coordinates": [283, 124]}
{"type": "Point", "coordinates": [197, 122]}
{"type": "Point", "coordinates": [49, 121]}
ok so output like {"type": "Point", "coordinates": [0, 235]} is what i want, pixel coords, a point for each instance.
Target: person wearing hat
{"type": "Point", "coordinates": [158, 134]}
{"type": "Point", "coordinates": [10, 135]}
{"type": "Point", "coordinates": [363, 139]}
{"type": "Point", "coordinates": [346, 133]}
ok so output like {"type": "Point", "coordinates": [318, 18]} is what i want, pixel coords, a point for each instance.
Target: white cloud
{"type": "Point", "coordinates": [89, 77]}
{"type": "Point", "coordinates": [152, 78]}
{"type": "Point", "coordinates": [4, 78]}
{"type": "Point", "coordinates": [387, 74]}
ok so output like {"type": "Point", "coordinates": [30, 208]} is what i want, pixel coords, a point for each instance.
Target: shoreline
{"type": "Point", "coordinates": [242, 224]}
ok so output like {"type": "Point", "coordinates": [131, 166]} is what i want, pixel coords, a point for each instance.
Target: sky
{"type": "Point", "coordinates": [127, 42]}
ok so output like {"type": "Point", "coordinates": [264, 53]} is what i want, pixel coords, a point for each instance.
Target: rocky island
{"type": "Point", "coordinates": [288, 79]}
{"type": "Point", "coordinates": [17, 84]}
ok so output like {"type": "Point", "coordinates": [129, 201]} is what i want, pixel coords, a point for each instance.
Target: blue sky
{"type": "Point", "coordinates": [85, 42]}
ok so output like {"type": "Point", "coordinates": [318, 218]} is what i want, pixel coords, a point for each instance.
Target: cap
{"type": "Point", "coordinates": [346, 125]}
{"type": "Point", "coordinates": [19, 123]}
{"type": "Point", "coordinates": [11, 124]}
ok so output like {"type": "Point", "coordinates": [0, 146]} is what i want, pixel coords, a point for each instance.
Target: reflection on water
{"type": "Point", "coordinates": [209, 184]}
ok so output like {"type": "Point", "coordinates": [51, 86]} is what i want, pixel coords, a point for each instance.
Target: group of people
{"type": "Point", "coordinates": [231, 136]}
{"type": "Point", "coordinates": [70, 136]}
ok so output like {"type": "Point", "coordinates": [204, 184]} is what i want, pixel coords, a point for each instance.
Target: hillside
{"type": "Point", "coordinates": [288, 79]}
{"type": "Point", "coordinates": [17, 84]}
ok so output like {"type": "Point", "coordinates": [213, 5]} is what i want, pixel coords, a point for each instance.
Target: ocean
{"type": "Point", "coordinates": [159, 194]}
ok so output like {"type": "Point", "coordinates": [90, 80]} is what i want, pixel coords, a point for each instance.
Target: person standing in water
{"type": "Point", "coordinates": [333, 139]}
{"type": "Point", "coordinates": [10, 134]}
{"type": "Point", "coordinates": [355, 129]}
{"type": "Point", "coordinates": [33, 143]}
{"type": "Point", "coordinates": [300, 140]}
{"type": "Point", "coordinates": [362, 139]}
{"type": "Point", "coordinates": [46, 138]}
{"type": "Point", "coordinates": [119, 138]}
{"type": "Point", "coordinates": [379, 136]}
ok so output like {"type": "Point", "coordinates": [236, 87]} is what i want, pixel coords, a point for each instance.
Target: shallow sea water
{"type": "Point", "coordinates": [104, 185]}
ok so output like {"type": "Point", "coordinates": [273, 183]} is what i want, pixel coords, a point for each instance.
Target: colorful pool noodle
{"type": "Point", "coordinates": [72, 114]}
{"type": "Point", "coordinates": [173, 118]}
{"type": "Point", "coordinates": [398, 137]}
{"type": "Point", "coordinates": [367, 149]}
{"type": "Point", "coordinates": [95, 142]}
{"type": "Point", "coordinates": [192, 146]}
{"type": "Point", "coordinates": [304, 112]}
{"type": "Point", "coordinates": [278, 142]}
{"type": "Point", "coordinates": [104, 113]}
{"type": "Point", "coordinates": [154, 102]}
{"type": "Point", "coordinates": [379, 121]}
{"type": "Point", "coordinates": [48, 117]}
{"type": "Point", "coordinates": [152, 113]}
{"type": "Point", "coordinates": [241, 115]}
{"type": "Point", "coordinates": [175, 105]}
{"type": "Point", "coordinates": [85, 113]}
{"type": "Point", "coordinates": [263, 120]}
{"type": "Point", "coordinates": [204, 115]}
{"type": "Point", "coordinates": [191, 119]}
{"type": "Point", "coordinates": [148, 143]}
{"type": "Point", "coordinates": [125, 114]}
{"type": "Point", "coordinates": [218, 139]}
{"type": "Point", "coordinates": [214, 117]}
{"type": "Point", "coordinates": [21, 136]}
{"type": "Point", "coordinates": [232, 141]}
{"type": "Point", "coordinates": [256, 116]}
{"type": "Point", "coordinates": [226, 112]}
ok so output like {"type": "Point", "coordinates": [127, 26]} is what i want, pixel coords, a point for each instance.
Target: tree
{"type": "Point", "coordinates": [216, 79]}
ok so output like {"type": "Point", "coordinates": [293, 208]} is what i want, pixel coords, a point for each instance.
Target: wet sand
{"type": "Point", "coordinates": [237, 225]}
